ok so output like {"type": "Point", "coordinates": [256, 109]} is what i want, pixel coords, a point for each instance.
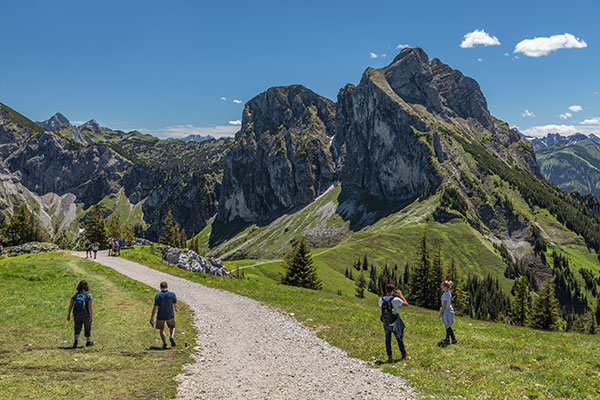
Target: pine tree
{"type": "Point", "coordinates": [365, 264]}
{"type": "Point", "coordinates": [420, 277]}
{"type": "Point", "coordinates": [373, 280]}
{"type": "Point", "coordinates": [346, 273]}
{"type": "Point", "coordinates": [520, 308]}
{"type": "Point", "coordinates": [452, 273]}
{"type": "Point", "coordinates": [546, 310]}
{"type": "Point", "coordinates": [300, 270]}
{"type": "Point", "coordinates": [24, 226]}
{"type": "Point", "coordinates": [591, 326]}
{"type": "Point", "coordinates": [114, 226]}
{"type": "Point", "coordinates": [436, 276]}
{"type": "Point", "coordinates": [406, 279]}
{"type": "Point", "coordinates": [128, 234]}
{"type": "Point", "coordinates": [598, 310]}
{"type": "Point", "coordinates": [350, 275]}
{"type": "Point", "coordinates": [171, 235]}
{"type": "Point", "coordinates": [360, 284]}
{"type": "Point", "coordinates": [95, 227]}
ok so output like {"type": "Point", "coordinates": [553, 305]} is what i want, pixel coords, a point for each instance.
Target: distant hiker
{"type": "Point", "coordinates": [121, 244]}
{"type": "Point", "coordinates": [95, 248]}
{"type": "Point", "coordinates": [88, 248]}
{"type": "Point", "coordinates": [164, 303]}
{"type": "Point", "coordinates": [115, 247]}
{"type": "Point", "coordinates": [390, 317]}
{"type": "Point", "coordinates": [110, 246]}
{"type": "Point", "coordinates": [81, 305]}
{"type": "Point", "coordinates": [447, 312]}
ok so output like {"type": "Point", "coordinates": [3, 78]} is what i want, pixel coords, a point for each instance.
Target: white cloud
{"type": "Point", "coordinates": [575, 108]}
{"type": "Point", "coordinates": [542, 46]}
{"type": "Point", "coordinates": [543, 130]}
{"type": "Point", "coordinates": [565, 115]}
{"type": "Point", "coordinates": [179, 131]}
{"type": "Point", "coordinates": [236, 122]}
{"type": "Point", "coordinates": [507, 55]}
{"type": "Point", "coordinates": [402, 46]}
{"type": "Point", "coordinates": [373, 55]}
{"type": "Point", "coordinates": [479, 37]}
{"type": "Point", "coordinates": [223, 98]}
{"type": "Point", "coordinates": [591, 121]}
{"type": "Point", "coordinates": [480, 59]}
{"type": "Point", "coordinates": [527, 113]}
{"type": "Point", "coordinates": [236, 101]}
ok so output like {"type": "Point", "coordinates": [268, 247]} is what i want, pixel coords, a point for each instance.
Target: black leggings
{"type": "Point", "coordinates": [450, 333]}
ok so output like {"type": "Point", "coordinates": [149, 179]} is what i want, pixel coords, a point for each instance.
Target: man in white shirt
{"type": "Point", "coordinates": [390, 317]}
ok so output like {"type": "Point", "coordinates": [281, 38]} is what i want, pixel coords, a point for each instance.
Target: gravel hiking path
{"type": "Point", "coordinates": [246, 350]}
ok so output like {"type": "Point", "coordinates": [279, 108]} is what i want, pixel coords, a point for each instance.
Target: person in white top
{"type": "Point", "coordinates": [447, 312]}
{"type": "Point", "coordinates": [390, 317]}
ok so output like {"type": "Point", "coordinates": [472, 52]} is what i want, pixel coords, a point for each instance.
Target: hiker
{"type": "Point", "coordinates": [447, 312]}
{"type": "Point", "coordinates": [81, 305]}
{"type": "Point", "coordinates": [110, 246]}
{"type": "Point", "coordinates": [121, 244]}
{"type": "Point", "coordinates": [164, 303]}
{"type": "Point", "coordinates": [390, 317]}
{"type": "Point", "coordinates": [95, 248]}
{"type": "Point", "coordinates": [88, 248]}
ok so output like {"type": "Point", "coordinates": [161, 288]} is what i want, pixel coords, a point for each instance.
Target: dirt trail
{"type": "Point", "coordinates": [249, 351]}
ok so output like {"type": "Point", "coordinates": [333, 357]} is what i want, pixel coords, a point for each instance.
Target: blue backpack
{"type": "Point", "coordinates": [80, 306]}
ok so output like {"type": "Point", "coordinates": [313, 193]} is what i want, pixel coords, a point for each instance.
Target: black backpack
{"type": "Point", "coordinates": [388, 314]}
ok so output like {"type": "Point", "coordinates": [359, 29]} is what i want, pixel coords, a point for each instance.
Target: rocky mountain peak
{"type": "Point", "coordinates": [438, 87]}
{"type": "Point", "coordinates": [54, 122]}
{"type": "Point", "coordinates": [91, 125]}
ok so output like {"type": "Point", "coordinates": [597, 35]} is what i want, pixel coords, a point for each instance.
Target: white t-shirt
{"type": "Point", "coordinates": [396, 302]}
{"type": "Point", "coordinates": [446, 296]}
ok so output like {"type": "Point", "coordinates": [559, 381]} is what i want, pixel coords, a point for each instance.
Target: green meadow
{"type": "Point", "coordinates": [34, 334]}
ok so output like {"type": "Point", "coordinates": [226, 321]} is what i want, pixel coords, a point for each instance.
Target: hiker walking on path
{"type": "Point", "coordinates": [81, 305]}
{"type": "Point", "coordinates": [164, 303]}
{"type": "Point", "coordinates": [88, 248]}
{"type": "Point", "coordinates": [390, 317]}
{"type": "Point", "coordinates": [447, 312]}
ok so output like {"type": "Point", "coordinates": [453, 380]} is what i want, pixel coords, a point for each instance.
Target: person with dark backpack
{"type": "Point", "coordinates": [81, 306]}
{"type": "Point", "coordinates": [390, 318]}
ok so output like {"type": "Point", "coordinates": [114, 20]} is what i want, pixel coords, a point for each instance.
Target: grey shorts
{"type": "Point", "coordinates": [448, 317]}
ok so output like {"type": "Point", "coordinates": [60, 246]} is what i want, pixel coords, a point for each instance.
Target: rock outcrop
{"type": "Point", "coordinates": [190, 261]}
{"type": "Point", "coordinates": [31, 247]}
{"type": "Point", "coordinates": [56, 121]}
{"type": "Point", "coordinates": [281, 157]}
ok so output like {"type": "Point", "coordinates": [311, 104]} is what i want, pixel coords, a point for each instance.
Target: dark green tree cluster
{"type": "Point", "coordinates": [427, 276]}
{"type": "Point", "coordinates": [522, 302]}
{"type": "Point", "coordinates": [95, 228]}
{"type": "Point", "coordinates": [545, 313]}
{"type": "Point", "coordinates": [592, 283]}
{"type": "Point", "coordinates": [361, 284]}
{"type": "Point", "coordinates": [567, 289]}
{"type": "Point", "coordinates": [299, 268]}
{"type": "Point", "coordinates": [22, 227]}
{"type": "Point", "coordinates": [172, 235]}
{"type": "Point", "coordinates": [487, 301]}
{"type": "Point", "coordinates": [452, 198]}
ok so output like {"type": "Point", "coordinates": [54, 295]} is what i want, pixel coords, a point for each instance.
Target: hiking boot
{"type": "Point", "coordinates": [74, 345]}
{"type": "Point", "coordinates": [164, 346]}
{"type": "Point", "coordinates": [455, 341]}
{"type": "Point", "coordinates": [88, 344]}
{"type": "Point", "coordinates": [172, 341]}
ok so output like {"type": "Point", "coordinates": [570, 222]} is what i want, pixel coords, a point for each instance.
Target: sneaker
{"type": "Point", "coordinates": [172, 341]}
{"type": "Point", "coordinates": [164, 347]}
{"type": "Point", "coordinates": [454, 341]}
{"type": "Point", "coordinates": [390, 359]}
{"type": "Point", "coordinates": [74, 345]}
{"type": "Point", "coordinates": [88, 344]}
{"type": "Point", "coordinates": [405, 357]}
{"type": "Point", "coordinates": [445, 340]}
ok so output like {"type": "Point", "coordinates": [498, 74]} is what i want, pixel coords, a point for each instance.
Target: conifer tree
{"type": "Point", "coordinates": [128, 234]}
{"type": "Point", "coordinates": [591, 326]}
{"type": "Point", "coordinates": [350, 274]}
{"type": "Point", "coordinates": [365, 264]}
{"type": "Point", "coordinates": [452, 273]}
{"type": "Point", "coordinates": [520, 308]}
{"type": "Point", "coordinates": [420, 278]}
{"type": "Point", "coordinates": [346, 273]}
{"type": "Point", "coordinates": [406, 279]}
{"type": "Point", "coordinates": [95, 227]}
{"type": "Point", "coordinates": [436, 275]}
{"type": "Point", "coordinates": [114, 226]}
{"type": "Point", "coordinates": [300, 270]}
{"type": "Point", "coordinates": [360, 284]}
{"type": "Point", "coordinates": [546, 310]}
{"type": "Point", "coordinates": [171, 234]}
{"type": "Point", "coordinates": [598, 310]}
{"type": "Point", "coordinates": [373, 280]}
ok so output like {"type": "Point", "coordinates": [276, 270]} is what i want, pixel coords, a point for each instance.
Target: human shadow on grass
{"type": "Point", "coordinates": [443, 343]}
{"type": "Point", "coordinates": [156, 348]}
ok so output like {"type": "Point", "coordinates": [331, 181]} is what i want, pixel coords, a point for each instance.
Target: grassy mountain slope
{"type": "Point", "coordinates": [572, 167]}
{"type": "Point", "coordinates": [492, 360]}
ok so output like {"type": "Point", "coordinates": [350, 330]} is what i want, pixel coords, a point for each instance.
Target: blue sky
{"type": "Point", "coordinates": [163, 67]}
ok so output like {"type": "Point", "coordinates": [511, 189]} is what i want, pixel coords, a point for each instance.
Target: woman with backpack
{"type": "Point", "coordinates": [81, 305]}
{"type": "Point", "coordinates": [447, 312]}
